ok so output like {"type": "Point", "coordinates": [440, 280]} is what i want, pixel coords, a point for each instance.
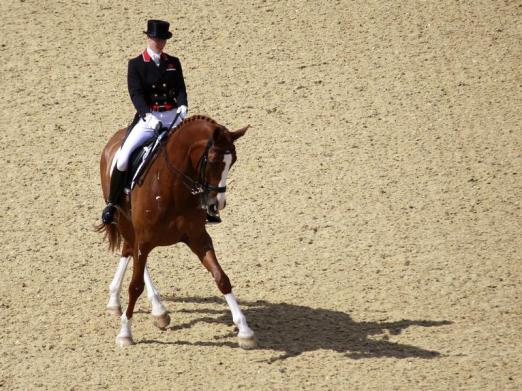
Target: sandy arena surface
{"type": "Point", "coordinates": [373, 227]}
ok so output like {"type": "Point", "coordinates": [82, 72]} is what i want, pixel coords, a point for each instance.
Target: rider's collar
{"type": "Point", "coordinates": [152, 55]}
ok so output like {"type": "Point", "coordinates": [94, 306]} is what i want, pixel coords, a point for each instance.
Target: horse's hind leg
{"type": "Point", "coordinates": [204, 249]}
{"type": "Point", "coordinates": [159, 314]}
{"type": "Point", "coordinates": [114, 305]}
{"type": "Point", "coordinates": [136, 287]}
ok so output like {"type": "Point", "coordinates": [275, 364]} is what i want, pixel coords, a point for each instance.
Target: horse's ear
{"type": "Point", "coordinates": [239, 133]}
{"type": "Point", "coordinates": [219, 132]}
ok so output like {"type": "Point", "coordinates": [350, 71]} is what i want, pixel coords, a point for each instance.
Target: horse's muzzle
{"type": "Point", "coordinates": [222, 201]}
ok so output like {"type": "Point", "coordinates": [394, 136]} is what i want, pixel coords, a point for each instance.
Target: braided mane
{"type": "Point", "coordinates": [197, 117]}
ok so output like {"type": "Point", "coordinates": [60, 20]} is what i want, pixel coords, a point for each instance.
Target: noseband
{"type": "Point", "coordinates": [200, 186]}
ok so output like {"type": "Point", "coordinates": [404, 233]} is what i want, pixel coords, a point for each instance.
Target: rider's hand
{"type": "Point", "coordinates": [182, 111]}
{"type": "Point", "coordinates": [152, 122]}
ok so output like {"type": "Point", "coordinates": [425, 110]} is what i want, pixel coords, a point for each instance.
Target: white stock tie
{"type": "Point", "coordinates": [156, 58]}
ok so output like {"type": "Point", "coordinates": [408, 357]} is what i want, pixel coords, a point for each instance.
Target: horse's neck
{"type": "Point", "coordinates": [183, 143]}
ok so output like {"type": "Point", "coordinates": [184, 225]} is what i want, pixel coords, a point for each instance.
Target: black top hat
{"type": "Point", "coordinates": [158, 29]}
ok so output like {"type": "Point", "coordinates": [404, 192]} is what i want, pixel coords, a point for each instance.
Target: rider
{"type": "Point", "coordinates": [157, 90]}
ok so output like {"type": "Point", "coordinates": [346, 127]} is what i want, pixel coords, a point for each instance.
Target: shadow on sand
{"type": "Point", "coordinates": [294, 329]}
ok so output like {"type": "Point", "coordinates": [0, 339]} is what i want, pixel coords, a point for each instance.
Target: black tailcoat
{"type": "Point", "coordinates": [150, 84]}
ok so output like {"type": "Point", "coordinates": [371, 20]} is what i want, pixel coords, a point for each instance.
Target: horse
{"type": "Point", "coordinates": [186, 176]}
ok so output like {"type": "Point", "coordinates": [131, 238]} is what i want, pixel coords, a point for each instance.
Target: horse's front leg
{"type": "Point", "coordinates": [136, 287]}
{"type": "Point", "coordinates": [204, 249]}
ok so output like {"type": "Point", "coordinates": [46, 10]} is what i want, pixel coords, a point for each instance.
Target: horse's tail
{"type": "Point", "coordinates": [112, 234]}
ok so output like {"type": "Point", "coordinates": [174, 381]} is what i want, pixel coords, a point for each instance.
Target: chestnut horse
{"type": "Point", "coordinates": [187, 175]}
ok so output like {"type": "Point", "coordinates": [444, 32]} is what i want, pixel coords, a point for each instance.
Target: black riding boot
{"type": "Point", "coordinates": [117, 184]}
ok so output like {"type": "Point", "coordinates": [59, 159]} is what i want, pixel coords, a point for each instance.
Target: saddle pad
{"type": "Point", "coordinates": [135, 162]}
{"type": "Point", "coordinates": [141, 158]}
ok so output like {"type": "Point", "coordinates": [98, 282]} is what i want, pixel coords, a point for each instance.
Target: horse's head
{"type": "Point", "coordinates": [214, 166]}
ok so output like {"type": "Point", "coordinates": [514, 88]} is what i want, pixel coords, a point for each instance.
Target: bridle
{"type": "Point", "coordinates": [200, 186]}
{"type": "Point", "coordinates": [202, 164]}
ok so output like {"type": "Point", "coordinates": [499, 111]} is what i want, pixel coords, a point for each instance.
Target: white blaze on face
{"type": "Point", "coordinates": [227, 159]}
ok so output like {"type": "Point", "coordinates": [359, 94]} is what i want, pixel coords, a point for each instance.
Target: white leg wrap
{"type": "Point", "coordinates": [153, 295]}
{"type": "Point", "coordinates": [115, 286]}
{"type": "Point", "coordinates": [125, 331]}
{"type": "Point", "coordinates": [238, 317]}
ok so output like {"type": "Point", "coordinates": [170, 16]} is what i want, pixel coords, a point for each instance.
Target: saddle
{"type": "Point", "coordinates": [141, 158]}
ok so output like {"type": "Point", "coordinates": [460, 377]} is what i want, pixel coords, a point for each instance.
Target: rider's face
{"type": "Point", "coordinates": [156, 44]}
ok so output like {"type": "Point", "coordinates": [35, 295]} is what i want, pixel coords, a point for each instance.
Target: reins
{"type": "Point", "coordinates": [200, 185]}
{"type": "Point", "coordinates": [187, 181]}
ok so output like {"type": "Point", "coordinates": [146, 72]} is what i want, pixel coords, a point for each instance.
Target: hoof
{"type": "Point", "coordinates": [116, 310]}
{"type": "Point", "coordinates": [124, 341]}
{"type": "Point", "coordinates": [161, 321]}
{"type": "Point", "coordinates": [247, 343]}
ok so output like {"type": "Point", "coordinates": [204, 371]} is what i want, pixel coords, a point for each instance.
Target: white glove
{"type": "Point", "coordinates": [152, 122]}
{"type": "Point", "coordinates": [182, 111]}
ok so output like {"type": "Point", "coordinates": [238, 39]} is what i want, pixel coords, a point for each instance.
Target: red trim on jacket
{"type": "Point", "coordinates": [146, 56]}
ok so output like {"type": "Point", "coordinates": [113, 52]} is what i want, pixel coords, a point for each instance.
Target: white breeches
{"type": "Point", "coordinates": [139, 135]}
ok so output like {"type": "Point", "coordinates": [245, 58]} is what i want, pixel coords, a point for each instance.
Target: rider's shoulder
{"type": "Point", "coordinates": [170, 58]}
{"type": "Point", "coordinates": [138, 58]}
